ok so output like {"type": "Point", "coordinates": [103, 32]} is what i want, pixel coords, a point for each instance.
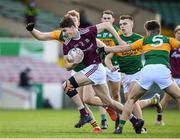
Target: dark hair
{"type": "Point", "coordinates": [109, 12]}
{"type": "Point", "coordinates": [67, 21]}
{"type": "Point", "coordinates": [122, 17]}
{"type": "Point", "coordinates": [153, 26]}
{"type": "Point", "coordinates": [27, 70]}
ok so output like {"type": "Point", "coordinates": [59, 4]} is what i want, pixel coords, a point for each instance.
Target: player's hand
{"type": "Point", "coordinates": [113, 69]}
{"type": "Point", "coordinates": [30, 26]}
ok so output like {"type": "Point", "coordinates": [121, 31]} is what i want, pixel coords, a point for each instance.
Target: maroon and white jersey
{"type": "Point", "coordinates": [87, 43]}
{"type": "Point", "coordinates": [175, 62]}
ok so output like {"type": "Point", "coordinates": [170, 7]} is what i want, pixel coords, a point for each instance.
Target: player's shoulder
{"type": "Point", "coordinates": [87, 29]}
{"type": "Point", "coordinates": [137, 35]}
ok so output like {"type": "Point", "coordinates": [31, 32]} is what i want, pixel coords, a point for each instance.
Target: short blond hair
{"type": "Point", "coordinates": [74, 13]}
{"type": "Point", "coordinates": [177, 28]}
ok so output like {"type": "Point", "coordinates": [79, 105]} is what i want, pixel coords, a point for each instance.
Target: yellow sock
{"type": "Point", "coordinates": [94, 124]}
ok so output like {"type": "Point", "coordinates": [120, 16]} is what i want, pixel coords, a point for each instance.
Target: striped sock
{"type": "Point", "coordinates": [94, 124]}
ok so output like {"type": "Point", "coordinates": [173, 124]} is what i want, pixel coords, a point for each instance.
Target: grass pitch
{"type": "Point", "coordinates": [60, 124]}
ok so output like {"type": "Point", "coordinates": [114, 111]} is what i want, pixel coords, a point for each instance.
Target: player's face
{"type": "Point", "coordinates": [126, 26]}
{"type": "Point", "coordinates": [177, 35]}
{"type": "Point", "coordinates": [107, 18]}
{"type": "Point", "coordinates": [69, 32]}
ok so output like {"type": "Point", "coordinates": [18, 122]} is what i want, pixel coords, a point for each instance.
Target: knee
{"type": "Point", "coordinates": [70, 84]}
{"type": "Point", "coordinates": [132, 98]}
{"type": "Point", "coordinates": [109, 102]}
{"type": "Point", "coordinates": [116, 96]}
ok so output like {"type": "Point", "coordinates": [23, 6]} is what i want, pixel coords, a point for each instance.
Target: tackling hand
{"type": "Point", "coordinates": [30, 26]}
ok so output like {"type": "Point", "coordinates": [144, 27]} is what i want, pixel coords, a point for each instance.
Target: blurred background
{"type": "Point", "coordinates": [20, 52]}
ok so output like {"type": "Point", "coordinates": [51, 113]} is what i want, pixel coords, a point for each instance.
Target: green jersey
{"type": "Point", "coordinates": [107, 38]}
{"type": "Point", "coordinates": [156, 48]}
{"type": "Point", "coordinates": [130, 61]}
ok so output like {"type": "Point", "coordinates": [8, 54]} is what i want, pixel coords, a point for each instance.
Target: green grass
{"type": "Point", "coordinates": [60, 124]}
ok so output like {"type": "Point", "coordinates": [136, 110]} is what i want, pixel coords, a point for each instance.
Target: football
{"type": "Point", "coordinates": [75, 55]}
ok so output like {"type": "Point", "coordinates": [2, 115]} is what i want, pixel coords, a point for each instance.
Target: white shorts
{"type": "Point", "coordinates": [155, 73]}
{"type": "Point", "coordinates": [128, 78]}
{"type": "Point", "coordinates": [73, 72]}
{"type": "Point", "coordinates": [113, 76]}
{"type": "Point", "coordinates": [96, 73]}
{"type": "Point", "coordinates": [177, 80]}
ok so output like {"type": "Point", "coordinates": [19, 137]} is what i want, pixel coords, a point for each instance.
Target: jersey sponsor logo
{"type": "Point", "coordinates": [131, 52]}
{"type": "Point", "coordinates": [108, 42]}
{"type": "Point", "coordinates": [175, 55]}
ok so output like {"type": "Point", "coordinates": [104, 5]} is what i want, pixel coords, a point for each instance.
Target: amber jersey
{"type": "Point", "coordinates": [175, 62]}
{"type": "Point", "coordinates": [156, 48]}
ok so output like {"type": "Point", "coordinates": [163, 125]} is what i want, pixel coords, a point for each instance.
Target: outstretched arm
{"type": "Point", "coordinates": [117, 49]}
{"type": "Point", "coordinates": [106, 25]}
{"type": "Point", "coordinates": [100, 43]}
{"type": "Point", "coordinates": [43, 36]}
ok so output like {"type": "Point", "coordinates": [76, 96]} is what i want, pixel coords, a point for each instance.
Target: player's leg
{"type": "Point", "coordinates": [90, 98]}
{"type": "Point", "coordinates": [138, 89]}
{"type": "Point", "coordinates": [137, 109]}
{"type": "Point", "coordinates": [70, 89]}
{"type": "Point", "coordinates": [102, 92]}
{"type": "Point", "coordinates": [115, 90]}
{"type": "Point", "coordinates": [155, 100]}
{"type": "Point", "coordinates": [136, 92]}
{"type": "Point", "coordinates": [174, 91]}
{"type": "Point", "coordinates": [102, 111]}
{"type": "Point", "coordinates": [93, 122]}
{"type": "Point", "coordinates": [164, 102]}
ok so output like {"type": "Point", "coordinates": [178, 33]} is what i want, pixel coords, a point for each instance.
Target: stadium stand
{"type": "Point", "coordinates": [169, 10]}
{"type": "Point", "coordinates": [10, 67]}
{"type": "Point", "coordinates": [14, 10]}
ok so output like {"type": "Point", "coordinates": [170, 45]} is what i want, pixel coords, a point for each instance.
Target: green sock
{"type": "Point", "coordinates": [103, 117]}
{"type": "Point", "coordinates": [122, 123]}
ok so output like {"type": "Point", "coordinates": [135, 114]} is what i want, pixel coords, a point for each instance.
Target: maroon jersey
{"type": "Point", "coordinates": [87, 43]}
{"type": "Point", "coordinates": [175, 62]}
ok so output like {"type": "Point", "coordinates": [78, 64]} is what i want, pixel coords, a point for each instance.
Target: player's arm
{"type": "Point", "coordinates": [100, 43]}
{"type": "Point", "coordinates": [122, 48]}
{"type": "Point", "coordinates": [106, 25]}
{"type": "Point", "coordinates": [43, 36]}
{"type": "Point", "coordinates": [108, 62]}
{"type": "Point", "coordinates": [69, 65]}
{"type": "Point", "coordinates": [119, 48]}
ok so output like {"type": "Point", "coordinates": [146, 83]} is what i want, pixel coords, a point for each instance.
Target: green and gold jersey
{"type": "Point", "coordinates": [156, 48]}
{"type": "Point", "coordinates": [58, 35]}
{"type": "Point", "coordinates": [130, 61]}
{"type": "Point", "coordinates": [107, 38]}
